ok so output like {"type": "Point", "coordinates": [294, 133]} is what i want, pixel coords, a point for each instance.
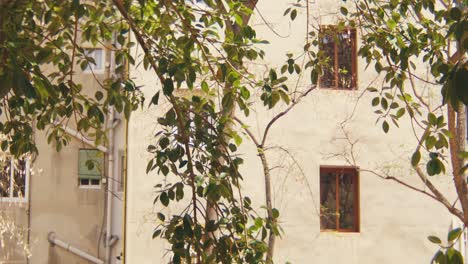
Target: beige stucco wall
{"type": "Point", "coordinates": [58, 204]}
{"type": "Point", "coordinates": [395, 221]}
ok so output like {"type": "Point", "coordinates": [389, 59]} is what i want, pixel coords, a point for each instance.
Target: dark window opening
{"type": "Point", "coordinates": [13, 177]}
{"type": "Point", "coordinates": [339, 47]}
{"type": "Point", "coordinates": [339, 199]}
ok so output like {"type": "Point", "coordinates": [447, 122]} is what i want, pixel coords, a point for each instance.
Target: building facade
{"type": "Point", "coordinates": [53, 206]}
{"type": "Point", "coordinates": [333, 206]}
{"type": "Point", "coordinates": [337, 147]}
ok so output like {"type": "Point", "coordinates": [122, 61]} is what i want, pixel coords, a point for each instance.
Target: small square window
{"type": "Point", "coordinates": [90, 167]}
{"type": "Point", "coordinates": [340, 49]}
{"type": "Point", "coordinates": [95, 59]}
{"type": "Point", "coordinates": [339, 199]}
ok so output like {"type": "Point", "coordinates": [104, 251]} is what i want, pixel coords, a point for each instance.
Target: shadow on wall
{"type": "Point", "coordinates": [53, 258]}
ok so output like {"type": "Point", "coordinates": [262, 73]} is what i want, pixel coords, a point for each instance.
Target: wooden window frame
{"type": "Point", "coordinates": [354, 77]}
{"type": "Point", "coordinates": [357, 211]}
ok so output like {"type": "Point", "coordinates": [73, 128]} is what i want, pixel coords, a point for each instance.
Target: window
{"type": "Point", "coordinates": [339, 199]}
{"type": "Point", "coordinates": [13, 179]}
{"type": "Point", "coordinates": [96, 55]}
{"type": "Point", "coordinates": [340, 48]}
{"type": "Point", "coordinates": [122, 169]}
{"type": "Point", "coordinates": [90, 167]}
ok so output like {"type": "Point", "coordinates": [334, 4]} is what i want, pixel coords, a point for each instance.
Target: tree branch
{"type": "Point", "coordinates": [278, 116]}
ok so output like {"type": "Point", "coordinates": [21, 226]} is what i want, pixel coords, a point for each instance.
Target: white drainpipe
{"type": "Point", "coordinates": [54, 241]}
{"type": "Point", "coordinates": [110, 183]}
{"type": "Point", "coordinates": [110, 162]}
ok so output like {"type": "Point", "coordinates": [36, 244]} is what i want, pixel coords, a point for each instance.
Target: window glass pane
{"type": "Point", "coordinates": [98, 59]}
{"type": "Point", "coordinates": [328, 200]}
{"type": "Point", "coordinates": [328, 47]}
{"type": "Point", "coordinates": [95, 159]}
{"type": "Point", "coordinates": [5, 178]}
{"type": "Point", "coordinates": [97, 55]}
{"type": "Point", "coordinates": [122, 173]}
{"type": "Point", "coordinates": [347, 187]}
{"type": "Point", "coordinates": [345, 59]}
{"type": "Point", "coordinates": [84, 181]}
{"type": "Point", "coordinates": [95, 182]}
{"type": "Point", "coordinates": [19, 179]}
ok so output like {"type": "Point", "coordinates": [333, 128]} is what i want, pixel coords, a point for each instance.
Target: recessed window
{"type": "Point", "coordinates": [122, 170]}
{"type": "Point", "coordinates": [95, 59]}
{"type": "Point", "coordinates": [339, 199]}
{"type": "Point", "coordinates": [13, 179]}
{"type": "Point", "coordinates": [340, 49]}
{"type": "Point", "coordinates": [90, 168]}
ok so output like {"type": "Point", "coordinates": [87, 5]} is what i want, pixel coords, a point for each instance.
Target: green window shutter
{"type": "Point", "coordinates": [85, 169]}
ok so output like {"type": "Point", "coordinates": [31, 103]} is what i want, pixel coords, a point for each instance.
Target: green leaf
{"type": "Point", "coordinates": [227, 101]}
{"type": "Point", "coordinates": [275, 213]}
{"type": "Point", "coordinates": [164, 198]}
{"type": "Point", "coordinates": [156, 233]}
{"type": "Point", "coordinates": [204, 87]}
{"type": "Point", "coordinates": [344, 11]}
{"type": "Point", "coordinates": [275, 97]}
{"type": "Point", "coordinates": [454, 234]}
{"type": "Point", "coordinates": [293, 14]}
{"type": "Point", "coordinates": [155, 99]}
{"type": "Point", "coordinates": [432, 119]}
{"type": "Point", "coordinates": [455, 13]}
{"type": "Point", "coordinates": [149, 166]}
{"type": "Point", "coordinates": [99, 95]}
{"type": "Point", "coordinates": [434, 239]}
{"type": "Point", "coordinates": [375, 101]}
{"type": "Point", "coordinates": [433, 167]}
{"type": "Point", "coordinates": [237, 139]}
{"type": "Point", "coordinates": [161, 217]}
{"type": "Point", "coordinates": [415, 158]}
{"type": "Point", "coordinates": [454, 256]}
{"type": "Point", "coordinates": [164, 142]}
{"type": "Point", "coordinates": [168, 87]}
{"type": "Point", "coordinates": [385, 126]}
{"type": "Point", "coordinates": [430, 142]}
{"type": "Point", "coordinates": [314, 75]}
{"type": "Point", "coordinates": [384, 103]}
{"type": "Point", "coordinates": [4, 145]}
{"type": "Point", "coordinates": [284, 96]}
{"type": "Point", "coordinates": [400, 112]}
{"type": "Point", "coordinates": [463, 155]}
{"type": "Point", "coordinates": [439, 258]}
{"type": "Point", "coordinates": [391, 24]}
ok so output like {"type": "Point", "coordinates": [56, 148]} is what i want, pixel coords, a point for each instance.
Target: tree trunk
{"type": "Point", "coordinates": [457, 127]}
{"type": "Point", "coordinates": [269, 205]}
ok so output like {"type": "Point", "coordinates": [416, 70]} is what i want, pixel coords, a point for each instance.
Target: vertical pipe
{"type": "Point", "coordinates": [125, 75]}
{"type": "Point", "coordinates": [28, 182]}
{"type": "Point", "coordinates": [110, 164]}
{"type": "Point", "coordinates": [110, 183]}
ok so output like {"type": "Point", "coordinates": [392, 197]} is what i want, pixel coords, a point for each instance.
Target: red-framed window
{"type": "Point", "coordinates": [339, 46]}
{"type": "Point", "coordinates": [339, 199]}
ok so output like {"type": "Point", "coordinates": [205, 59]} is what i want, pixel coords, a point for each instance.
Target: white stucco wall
{"type": "Point", "coordinates": [394, 221]}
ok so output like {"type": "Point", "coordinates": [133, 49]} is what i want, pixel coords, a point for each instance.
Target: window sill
{"type": "Point", "coordinates": [90, 187]}
{"type": "Point", "coordinates": [97, 72]}
{"type": "Point", "coordinates": [13, 200]}
{"type": "Point", "coordinates": [338, 89]}
{"type": "Point", "coordinates": [339, 233]}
